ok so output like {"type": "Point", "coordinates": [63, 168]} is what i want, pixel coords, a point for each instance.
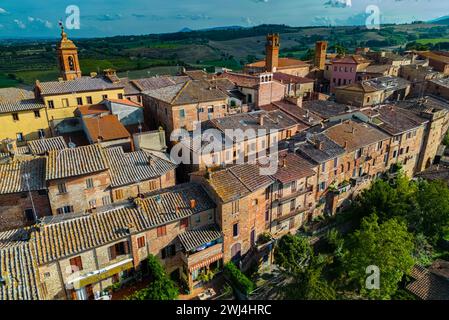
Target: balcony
{"type": "Point", "coordinates": [205, 256]}
{"type": "Point", "coordinates": [279, 198]}
{"type": "Point", "coordinates": [83, 278]}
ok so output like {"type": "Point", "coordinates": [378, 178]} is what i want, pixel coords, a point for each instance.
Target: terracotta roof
{"type": "Point", "coordinates": [354, 135]}
{"type": "Point", "coordinates": [16, 100]}
{"type": "Point", "coordinates": [192, 239]}
{"type": "Point", "coordinates": [394, 120]}
{"type": "Point", "coordinates": [129, 87]}
{"type": "Point", "coordinates": [107, 127]}
{"type": "Point", "coordinates": [308, 146]}
{"type": "Point", "coordinates": [350, 59]}
{"type": "Point", "coordinates": [42, 146]}
{"type": "Point", "coordinates": [328, 109]}
{"type": "Point", "coordinates": [154, 83]}
{"type": "Point", "coordinates": [238, 181]}
{"type": "Point", "coordinates": [435, 56]}
{"type": "Point", "coordinates": [125, 102]}
{"type": "Point", "coordinates": [82, 84]}
{"type": "Point", "coordinates": [359, 87]}
{"type": "Point", "coordinates": [283, 63]}
{"type": "Point", "coordinates": [92, 109]}
{"type": "Point", "coordinates": [129, 168]}
{"type": "Point", "coordinates": [293, 167]}
{"type": "Point", "coordinates": [173, 203]}
{"type": "Point", "coordinates": [240, 79]}
{"type": "Point", "coordinates": [196, 74]}
{"type": "Point", "coordinates": [12, 176]}
{"type": "Point", "coordinates": [287, 78]}
{"type": "Point", "coordinates": [432, 283]}
{"type": "Point", "coordinates": [18, 267]}
{"type": "Point", "coordinates": [75, 162]}
{"type": "Point", "coordinates": [299, 113]}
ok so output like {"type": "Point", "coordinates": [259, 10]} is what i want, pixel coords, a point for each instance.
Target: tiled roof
{"type": "Point", "coordinates": [435, 56]}
{"type": "Point", "coordinates": [238, 181]}
{"type": "Point", "coordinates": [41, 146]}
{"type": "Point", "coordinates": [394, 120]}
{"type": "Point", "coordinates": [240, 79]}
{"type": "Point", "coordinates": [75, 162]}
{"type": "Point", "coordinates": [428, 285]}
{"type": "Point", "coordinates": [77, 85]}
{"type": "Point", "coordinates": [327, 109]}
{"type": "Point", "coordinates": [18, 268]}
{"type": "Point", "coordinates": [12, 176]}
{"type": "Point", "coordinates": [299, 113]}
{"type": "Point", "coordinates": [173, 203]}
{"type": "Point", "coordinates": [16, 99]}
{"type": "Point", "coordinates": [92, 109]}
{"type": "Point", "coordinates": [129, 87]}
{"type": "Point", "coordinates": [359, 87]}
{"type": "Point", "coordinates": [125, 102]}
{"type": "Point", "coordinates": [387, 83]}
{"type": "Point", "coordinates": [192, 239]}
{"type": "Point", "coordinates": [350, 59]}
{"type": "Point", "coordinates": [129, 168]}
{"type": "Point", "coordinates": [355, 135]}
{"type": "Point", "coordinates": [108, 127]}
{"type": "Point", "coordinates": [154, 83]}
{"type": "Point", "coordinates": [196, 74]}
{"type": "Point", "coordinates": [309, 147]}
{"type": "Point", "coordinates": [188, 93]}
{"type": "Point", "coordinates": [293, 167]}
{"type": "Point", "coordinates": [287, 78]}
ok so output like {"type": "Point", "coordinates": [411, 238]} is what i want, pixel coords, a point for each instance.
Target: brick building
{"type": "Point", "coordinates": [23, 195]}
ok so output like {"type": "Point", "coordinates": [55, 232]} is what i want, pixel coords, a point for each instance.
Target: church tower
{"type": "Point", "coordinates": [320, 54]}
{"type": "Point", "coordinates": [69, 65]}
{"type": "Point", "coordinates": [272, 52]}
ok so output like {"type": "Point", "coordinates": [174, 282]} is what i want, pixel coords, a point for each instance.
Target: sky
{"type": "Point", "coordinates": [31, 18]}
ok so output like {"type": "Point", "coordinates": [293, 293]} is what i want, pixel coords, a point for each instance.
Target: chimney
{"type": "Point", "coordinates": [176, 209]}
{"type": "Point", "coordinates": [320, 145]}
{"type": "Point", "coordinates": [284, 163]}
{"type": "Point", "coordinates": [261, 120]}
{"type": "Point", "coordinates": [345, 145]}
{"type": "Point", "coordinates": [192, 203]}
{"type": "Point", "coordinates": [93, 74]}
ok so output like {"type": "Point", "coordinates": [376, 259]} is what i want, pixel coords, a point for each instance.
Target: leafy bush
{"type": "Point", "coordinates": [264, 238]}
{"type": "Point", "coordinates": [238, 279]}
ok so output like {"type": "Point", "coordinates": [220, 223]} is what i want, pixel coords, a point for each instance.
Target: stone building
{"type": "Point", "coordinates": [439, 87]}
{"type": "Point", "coordinates": [439, 60]}
{"type": "Point", "coordinates": [23, 195]}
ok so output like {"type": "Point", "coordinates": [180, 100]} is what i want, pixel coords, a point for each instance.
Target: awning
{"type": "Point", "coordinates": [99, 275]}
{"type": "Point", "coordinates": [206, 262]}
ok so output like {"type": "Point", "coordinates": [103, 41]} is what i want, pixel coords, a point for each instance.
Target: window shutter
{"type": "Point", "coordinates": [113, 252]}
{"type": "Point", "coordinates": [126, 247]}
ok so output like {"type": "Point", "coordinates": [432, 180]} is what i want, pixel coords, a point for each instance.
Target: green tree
{"type": "Point", "coordinates": [389, 246]}
{"type": "Point", "coordinates": [293, 253]}
{"type": "Point", "coordinates": [161, 287]}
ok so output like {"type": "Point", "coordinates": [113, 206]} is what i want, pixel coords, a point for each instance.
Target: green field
{"type": "Point", "coordinates": [432, 41]}
{"type": "Point", "coordinates": [5, 81]}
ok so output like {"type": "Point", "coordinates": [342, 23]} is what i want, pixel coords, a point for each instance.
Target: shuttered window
{"type": "Point", "coordinates": [76, 264]}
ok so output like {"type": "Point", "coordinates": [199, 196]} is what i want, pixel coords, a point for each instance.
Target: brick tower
{"type": "Point", "coordinates": [320, 54]}
{"type": "Point", "coordinates": [69, 66]}
{"type": "Point", "coordinates": [272, 52]}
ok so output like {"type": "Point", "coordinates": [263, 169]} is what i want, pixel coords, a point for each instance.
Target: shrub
{"type": "Point", "coordinates": [238, 279]}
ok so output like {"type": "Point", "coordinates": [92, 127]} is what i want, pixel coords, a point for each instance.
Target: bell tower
{"type": "Point", "coordinates": [272, 52]}
{"type": "Point", "coordinates": [320, 54]}
{"type": "Point", "coordinates": [69, 66]}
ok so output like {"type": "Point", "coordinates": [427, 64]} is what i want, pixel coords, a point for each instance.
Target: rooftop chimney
{"type": "Point", "coordinates": [261, 120]}
{"type": "Point", "coordinates": [192, 203]}
{"type": "Point", "coordinates": [320, 145]}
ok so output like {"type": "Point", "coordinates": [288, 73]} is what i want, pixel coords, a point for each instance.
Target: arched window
{"type": "Point", "coordinates": [71, 64]}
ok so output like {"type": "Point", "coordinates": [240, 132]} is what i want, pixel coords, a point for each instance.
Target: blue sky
{"type": "Point", "coordinates": [27, 18]}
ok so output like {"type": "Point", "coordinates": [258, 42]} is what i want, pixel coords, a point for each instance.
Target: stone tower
{"type": "Point", "coordinates": [272, 52]}
{"type": "Point", "coordinates": [320, 54]}
{"type": "Point", "coordinates": [69, 65]}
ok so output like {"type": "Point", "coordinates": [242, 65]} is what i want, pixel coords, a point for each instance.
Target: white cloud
{"type": "Point", "coordinates": [20, 24]}
{"type": "Point", "coordinates": [45, 23]}
{"type": "Point", "coordinates": [3, 11]}
{"type": "Point", "coordinates": [339, 3]}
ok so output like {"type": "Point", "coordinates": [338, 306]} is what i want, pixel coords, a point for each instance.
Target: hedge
{"type": "Point", "coordinates": [238, 279]}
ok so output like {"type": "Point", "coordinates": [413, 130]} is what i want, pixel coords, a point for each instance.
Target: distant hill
{"type": "Point", "coordinates": [441, 20]}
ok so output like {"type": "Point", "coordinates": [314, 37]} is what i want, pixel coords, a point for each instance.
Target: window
{"type": "Point", "coordinates": [235, 207]}
{"type": "Point", "coordinates": [335, 162]}
{"type": "Point", "coordinates": [153, 185]}
{"type": "Point", "coordinates": [19, 136]}
{"type": "Point", "coordinates": [93, 204]}
{"type": "Point", "coordinates": [15, 116]}
{"type": "Point", "coordinates": [79, 101]}
{"type": "Point", "coordinates": [210, 109]}
{"type": "Point", "coordinates": [41, 133]}
{"type": "Point", "coordinates": [293, 205]}
{"type": "Point", "coordinates": [89, 100]}
{"type": "Point", "coordinates": [139, 99]}
{"type": "Point", "coordinates": [395, 153]}
{"type": "Point", "coordinates": [198, 218]}
{"type": "Point", "coordinates": [184, 223]}
{"type": "Point", "coordinates": [182, 113]}
{"type": "Point", "coordinates": [293, 186]}
{"type": "Point", "coordinates": [105, 96]}
{"type": "Point", "coordinates": [51, 104]}
{"type": "Point", "coordinates": [29, 215]}
{"type": "Point", "coordinates": [62, 188]}
{"type": "Point", "coordinates": [379, 145]}
{"type": "Point", "coordinates": [106, 200]}
{"type": "Point", "coordinates": [407, 150]}
{"type": "Point", "coordinates": [323, 167]}
{"type": "Point", "coordinates": [65, 102]}
{"type": "Point", "coordinates": [358, 154]}
{"type": "Point", "coordinates": [236, 252]}
{"type": "Point", "coordinates": [120, 96]}
{"type": "Point", "coordinates": [141, 242]}
{"type": "Point", "coordinates": [64, 210]}
{"type": "Point", "coordinates": [118, 249]}
{"type": "Point", "coordinates": [235, 230]}
{"type": "Point", "coordinates": [210, 216]}
{"type": "Point", "coordinates": [200, 110]}
{"type": "Point", "coordinates": [161, 231]}
{"type": "Point", "coordinates": [76, 263]}
{"type": "Point", "coordinates": [37, 114]}
{"type": "Point", "coordinates": [89, 183]}
{"type": "Point", "coordinates": [119, 194]}
{"type": "Point", "coordinates": [168, 251]}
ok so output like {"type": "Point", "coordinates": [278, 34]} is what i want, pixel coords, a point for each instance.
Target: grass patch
{"type": "Point", "coordinates": [30, 77]}
{"type": "Point", "coordinates": [432, 41]}
{"type": "Point", "coordinates": [6, 81]}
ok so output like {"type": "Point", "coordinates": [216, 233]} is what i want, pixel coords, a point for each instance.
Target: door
{"type": "Point", "coordinates": [90, 292]}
